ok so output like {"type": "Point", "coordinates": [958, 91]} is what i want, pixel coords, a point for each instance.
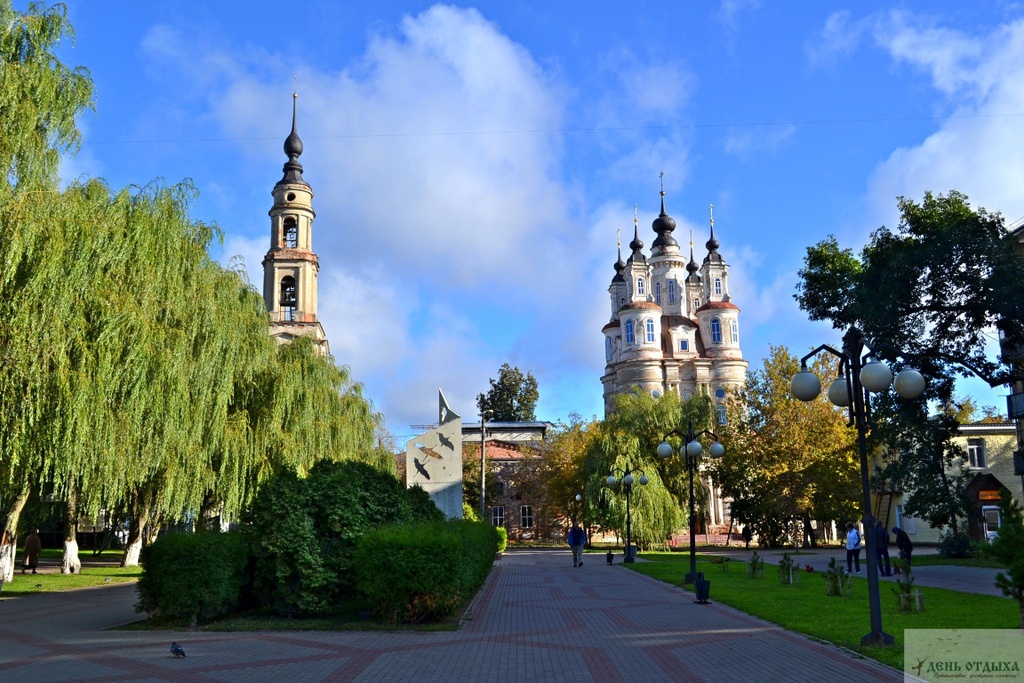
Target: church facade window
{"type": "Point", "coordinates": [671, 291]}
{"type": "Point", "coordinates": [640, 285]}
{"type": "Point", "coordinates": [607, 348]}
{"type": "Point", "coordinates": [718, 286]}
{"type": "Point", "coordinates": [684, 345]}
{"type": "Point", "coordinates": [722, 417]}
{"type": "Point", "coordinates": [716, 331]}
{"type": "Point", "coordinates": [649, 326]}
{"type": "Point", "coordinates": [734, 331]}
{"type": "Point", "coordinates": [696, 304]}
{"type": "Point", "coordinates": [630, 336]}
{"type": "Point", "coordinates": [657, 293]}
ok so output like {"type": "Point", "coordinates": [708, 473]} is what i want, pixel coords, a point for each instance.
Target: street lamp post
{"type": "Point", "coordinates": [691, 451]}
{"type": "Point", "coordinates": [483, 464]}
{"type": "Point", "coordinates": [627, 485]}
{"type": "Point", "coordinates": [859, 373]}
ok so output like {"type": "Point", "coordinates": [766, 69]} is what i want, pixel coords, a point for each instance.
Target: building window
{"type": "Point", "coordinates": [498, 515]}
{"type": "Point", "coordinates": [649, 325]}
{"type": "Point", "coordinates": [289, 298]}
{"type": "Point", "coordinates": [499, 488]}
{"type": "Point", "coordinates": [657, 292]}
{"type": "Point", "coordinates": [734, 330]}
{"type": "Point", "coordinates": [671, 291]}
{"type": "Point", "coordinates": [526, 516]}
{"type": "Point", "coordinates": [722, 417]}
{"type": "Point", "coordinates": [639, 285]}
{"type": "Point", "coordinates": [684, 345]}
{"type": "Point", "coordinates": [607, 348]}
{"type": "Point", "coordinates": [291, 232]}
{"type": "Point", "coordinates": [718, 286]}
{"type": "Point", "coordinates": [622, 302]}
{"type": "Point", "coordinates": [716, 331]}
{"type": "Point", "coordinates": [630, 336]}
{"type": "Point", "coordinates": [696, 304]}
{"type": "Point", "coordinates": [976, 459]}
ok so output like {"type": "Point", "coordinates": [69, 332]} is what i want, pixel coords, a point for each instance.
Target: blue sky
{"type": "Point", "coordinates": [471, 163]}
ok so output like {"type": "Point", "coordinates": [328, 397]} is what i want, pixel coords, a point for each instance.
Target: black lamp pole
{"type": "Point", "coordinates": [852, 393]}
{"type": "Point", "coordinates": [627, 486]}
{"type": "Point", "coordinates": [691, 451]}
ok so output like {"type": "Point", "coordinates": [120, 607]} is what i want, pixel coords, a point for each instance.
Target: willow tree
{"type": "Point", "coordinates": [40, 98]}
{"type": "Point", "coordinates": [629, 438]}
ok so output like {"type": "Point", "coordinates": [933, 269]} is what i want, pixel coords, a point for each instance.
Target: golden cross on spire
{"type": "Point", "coordinates": [636, 215]}
{"type": "Point", "coordinates": [661, 177]}
{"type": "Point", "coordinates": [618, 237]}
{"type": "Point", "coordinates": [711, 212]}
{"type": "Point", "coordinates": [691, 240]}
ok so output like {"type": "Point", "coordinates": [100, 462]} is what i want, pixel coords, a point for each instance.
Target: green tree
{"type": "Point", "coordinates": [512, 397]}
{"type": "Point", "coordinates": [934, 289]}
{"type": "Point", "coordinates": [40, 96]}
{"type": "Point", "coordinates": [1008, 548]}
{"type": "Point", "coordinates": [786, 460]}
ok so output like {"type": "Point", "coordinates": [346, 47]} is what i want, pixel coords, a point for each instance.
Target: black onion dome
{"type": "Point", "coordinates": [620, 266]}
{"type": "Point", "coordinates": [664, 225]}
{"type": "Point", "coordinates": [293, 148]}
{"type": "Point", "coordinates": [692, 266]}
{"type": "Point", "coordinates": [636, 245]}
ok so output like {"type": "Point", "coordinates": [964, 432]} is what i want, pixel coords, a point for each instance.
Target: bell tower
{"type": "Point", "coordinates": [291, 266]}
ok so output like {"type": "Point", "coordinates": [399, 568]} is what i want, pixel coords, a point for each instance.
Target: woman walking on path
{"type": "Point", "coordinates": [33, 547]}
{"type": "Point", "coordinates": [852, 548]}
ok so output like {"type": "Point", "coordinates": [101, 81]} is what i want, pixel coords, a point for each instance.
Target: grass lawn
{"type": "Point", "coordinates": [27, 584]}
{"type": "Point", "coordinates": [841, 620]}
{"type": "Point", "coordinates": [932, 560]}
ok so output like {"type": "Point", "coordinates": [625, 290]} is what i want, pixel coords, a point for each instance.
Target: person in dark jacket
{"type": "Point", "coordinates": [33, 547]}
{"type": "Point", "coordinates": [903, 543]}
{"type": "Point", "coordinates": [882, 548]}
{"type": "Point", "coordinates": [577, 537]}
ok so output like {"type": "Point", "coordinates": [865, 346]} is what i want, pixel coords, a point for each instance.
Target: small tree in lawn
{"type": "Point", "coordinates": [1008, 548]}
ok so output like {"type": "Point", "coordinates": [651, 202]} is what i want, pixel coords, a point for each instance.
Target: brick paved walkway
{"type": "Point", "coordinates": [537, 619]}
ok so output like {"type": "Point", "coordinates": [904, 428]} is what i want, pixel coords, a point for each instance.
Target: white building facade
{"type": "Point", "coordinates": [673, 326]}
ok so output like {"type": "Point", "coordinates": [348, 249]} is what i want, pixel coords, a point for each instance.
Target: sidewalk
{"type": "Point", "coordinates": [537, 619]}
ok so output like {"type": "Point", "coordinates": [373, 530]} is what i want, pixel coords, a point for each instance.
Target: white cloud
{"type": "Point", "coordinates": [972, 149]}
{"type": "Point", "coordinates": [839, 37]}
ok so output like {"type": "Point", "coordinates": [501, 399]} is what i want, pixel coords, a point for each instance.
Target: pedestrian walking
{"type": "Point", "coordinates": [577, 537]}
{"type": "Point", "coordinates": [33, 547]}
{"type": "Point", "coordinates": [882, 549]}
{"type": "Point", "coordinates": [852, 548]}
{"type": "Point", "coordinates": [903, 543]}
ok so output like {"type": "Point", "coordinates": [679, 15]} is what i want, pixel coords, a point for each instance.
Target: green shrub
{"type": "Point", "coordinates": [193, 577]}
{"type": "Point", "coordinates": [469, 513]}
{"type": "Point", "coordinates": [289, 574]}
{"type": "Point", "coordinates": [502, 538]}
{"type": "Point", "coordinates": [421, 507]}
{"type": "Point", "coordinates": [954, 545]}
{"type": "Point", "coordinates": [305, 530]}
{"type": "Point", "coordinates": [420, 572]}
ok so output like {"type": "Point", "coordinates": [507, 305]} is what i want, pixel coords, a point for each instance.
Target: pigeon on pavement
{"type": "Point", "coordinates": [176, 650]}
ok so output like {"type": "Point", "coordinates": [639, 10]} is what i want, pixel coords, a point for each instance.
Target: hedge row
{"type": "Point", "coordinates": [420, 572]}
{"type": "Point", "coordinates": [193, 577]}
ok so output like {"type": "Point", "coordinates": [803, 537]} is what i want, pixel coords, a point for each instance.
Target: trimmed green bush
{"type": "Point", "coordinates": [304, 532]}
{"type": "Point", "coordinates": [420, 572]}
{"type": "Point", "coordinates": [502, 538]}
{"type": "Point", "coordinates": [192, 577]}
{"type": "Point", "coordinates": [954, 545]}
{"type": "Point", "coordinates": [421, 506]}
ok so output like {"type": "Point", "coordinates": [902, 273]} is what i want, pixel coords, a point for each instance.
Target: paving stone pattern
{"type": "Point", "coordinates": [537, 619]}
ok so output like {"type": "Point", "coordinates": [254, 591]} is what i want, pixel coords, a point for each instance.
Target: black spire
{"type": "Point", "coordinates": [712, 243]}
{"type": "Point", "coordinates": [664, 225]}
{"type": "Point", "coordinates": [293, 148]}
{"type": "Point", "coordinates": [620, 266]}
{"type": "Point", "coordinates": [637, 244]}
